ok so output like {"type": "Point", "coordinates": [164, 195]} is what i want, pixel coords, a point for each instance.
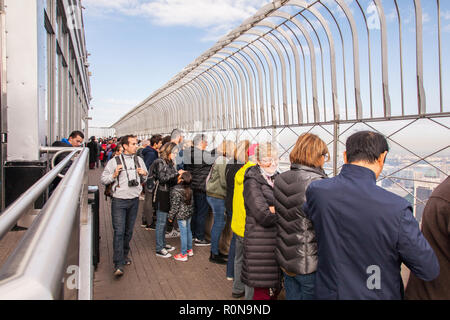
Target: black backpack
{"type": "Point", "coordinates": [152, 183]}
{"type": "Point", "coordinates": [109, 187]}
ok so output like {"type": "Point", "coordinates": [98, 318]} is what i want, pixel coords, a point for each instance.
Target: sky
{"type": "Point", "coordinates": [136, 46]}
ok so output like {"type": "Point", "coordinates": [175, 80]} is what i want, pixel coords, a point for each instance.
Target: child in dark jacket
{"type": "Point", "coordinates": [182, 207]}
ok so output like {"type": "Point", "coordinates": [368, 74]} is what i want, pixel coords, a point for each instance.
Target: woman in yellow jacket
{"type": "Point", "coordinates": [238, 227]}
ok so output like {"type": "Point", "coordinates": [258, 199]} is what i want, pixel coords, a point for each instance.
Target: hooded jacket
{"type": "Point", "coordinates": [260, 268]}
{"type": "Point", "coordinates": [296, 250]}
{"type": "Point", "coordinates": [238, 220]}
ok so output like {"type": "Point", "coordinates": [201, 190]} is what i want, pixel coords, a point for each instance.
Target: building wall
{"type": "Point", "coordinates": [48, 88]}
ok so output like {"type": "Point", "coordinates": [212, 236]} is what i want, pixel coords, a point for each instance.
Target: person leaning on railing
{"type": "Point", "coordinates": [260, 268]}
{"type": "Point", "coordinates": [296, 249]}
{"type": "Point", "coordinates": [216, 191]}
{"type": "Point", "coordinates": [127, 178]}
{"type": "Point", "coordinates": [239, 159]}
{"type": "Point", "coordinates": [363, 231]}
{"type": "Point", "coordinates": [198, 161]}
{"type": "Point", "coordinates": [166, 175]}
{"type": "Point", "coordinates": [238, 226]}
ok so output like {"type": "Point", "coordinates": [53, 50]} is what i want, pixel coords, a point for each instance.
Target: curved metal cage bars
{"type": "Point", "coordinates": [303, 62]}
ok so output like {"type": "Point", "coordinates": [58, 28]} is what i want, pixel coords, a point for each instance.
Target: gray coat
{"type": "Point", "coordinates": [121, 190]}
{"type": "Point", "coordinates": [296, 249]}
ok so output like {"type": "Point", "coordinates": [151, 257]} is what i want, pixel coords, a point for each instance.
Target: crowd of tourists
{"type": "Point", "coordinates": [317, 237]}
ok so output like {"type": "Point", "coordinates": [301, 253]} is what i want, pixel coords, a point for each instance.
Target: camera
{"type": "Point", "coordinates": [133, 183]}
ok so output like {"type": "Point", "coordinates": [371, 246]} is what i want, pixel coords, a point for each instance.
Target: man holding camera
{"type": "Point", "coordinates": [126, 172]}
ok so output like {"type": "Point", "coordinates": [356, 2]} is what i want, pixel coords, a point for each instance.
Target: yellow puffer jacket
{"type": "Point", "coordinates": [238, 220]}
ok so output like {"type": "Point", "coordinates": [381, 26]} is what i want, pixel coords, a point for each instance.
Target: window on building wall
{"type": "Point", "coordinates": [64, 78]}
{"type": "Point", "coordinates": [51, 69]}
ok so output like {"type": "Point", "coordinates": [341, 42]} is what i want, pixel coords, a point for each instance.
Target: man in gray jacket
{"type": "Point", "coordinates": [127, 173]}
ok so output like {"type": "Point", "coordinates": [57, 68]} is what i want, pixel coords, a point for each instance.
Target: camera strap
{"type": "Point", "coordinates": [135, 164]}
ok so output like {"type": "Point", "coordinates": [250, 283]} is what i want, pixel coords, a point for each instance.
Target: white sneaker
{"type": "Point", "coordinates": [169, 248]}
{"type": "Point", "coordinates": [173, 234]}
{"type": "Point", "coordinates": [163, 253]}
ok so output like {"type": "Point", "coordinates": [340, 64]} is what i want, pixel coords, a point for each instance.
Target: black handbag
{"type": "Point", "coordinates": [163, 198]}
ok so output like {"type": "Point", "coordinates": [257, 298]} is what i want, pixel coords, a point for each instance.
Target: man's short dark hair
{"type": "Point", "coordinates": [365, 146]}
{"type": "Point", "coordinates": [199, 138]}
{"type": "Point", "coordinates": [126, 139]}
{"type": "Point", "coordinates": [76, 133]}
{"type": "Point", "coordinates": [155, 139]}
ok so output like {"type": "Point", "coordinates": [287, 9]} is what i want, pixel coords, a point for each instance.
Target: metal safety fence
{"type": "Point", "coordinates": [330, 67]}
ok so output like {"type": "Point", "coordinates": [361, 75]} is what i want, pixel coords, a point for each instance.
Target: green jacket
{"type": "Point", "coordinates": [217, 184]}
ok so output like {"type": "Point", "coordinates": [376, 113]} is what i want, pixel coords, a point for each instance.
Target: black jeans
{"type": "Point", "coordinates": [198, 221]}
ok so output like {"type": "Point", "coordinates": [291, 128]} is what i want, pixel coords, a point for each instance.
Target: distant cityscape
{"type": "Point", "coordinates": [414, 183]}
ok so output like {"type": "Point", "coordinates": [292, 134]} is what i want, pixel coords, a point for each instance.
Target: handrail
{"type": "Point", "coordinates": [19, 207]}
{"type": "Point", "coordinates": [35, 269]}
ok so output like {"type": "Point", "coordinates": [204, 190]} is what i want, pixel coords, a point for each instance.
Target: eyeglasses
{"type": "Point", "coordinates": [268, 161]}
{"type": "Point", "coordinates": [326, 156]}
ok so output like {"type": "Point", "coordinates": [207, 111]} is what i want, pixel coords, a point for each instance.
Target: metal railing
{"type": "Point", "coordinates": [58, 245]}
{"type": "Point", "coordinates": [327, 67]}
{"type": "Point", "coordinates": [302, 62]}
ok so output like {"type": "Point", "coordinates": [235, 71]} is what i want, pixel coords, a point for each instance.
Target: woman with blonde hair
{"type": "Point", "coordinates": [296, 250]}
{"type": "Point", "coordinates": [216, 190]}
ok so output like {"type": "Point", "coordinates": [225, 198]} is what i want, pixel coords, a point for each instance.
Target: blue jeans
{"type": "Point", "coordinates": [218, 209]}
{"type": "Point", "coordinates": [231, 254]}
{"type": "Point", "coordinates": [198, 221]}
{"type": "Point", "coordinates": [123, 214]}
{"type": "Point", "coordinates": [161, 226]}
{"type": "Point", "coordinates": [300, 287]}
{"type": "Point", "coordinates": [185, 235]}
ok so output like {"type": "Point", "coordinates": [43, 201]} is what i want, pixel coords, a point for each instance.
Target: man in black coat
{"type": "Point", "coordinates": [93, 152]}
{"type": "Point", "coordinates": [150, 154]}
{"type": "Point", "coordinates": [198, 162]}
